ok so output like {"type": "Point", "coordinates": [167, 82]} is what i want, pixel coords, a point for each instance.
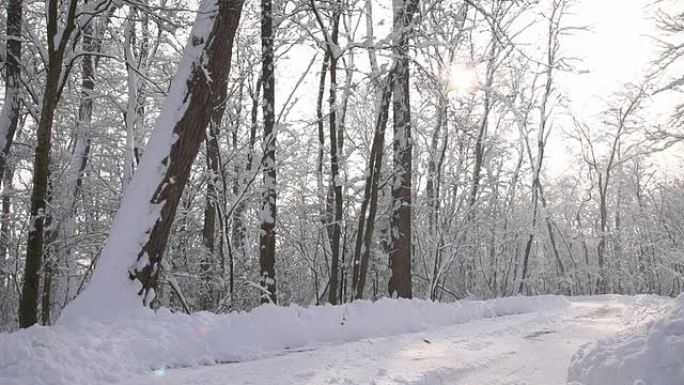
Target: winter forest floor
{"type": "Point", "coordinates": [532, 349]}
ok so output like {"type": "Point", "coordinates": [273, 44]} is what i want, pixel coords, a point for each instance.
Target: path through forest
{"type": "Point", "coordinates": [530, 349]}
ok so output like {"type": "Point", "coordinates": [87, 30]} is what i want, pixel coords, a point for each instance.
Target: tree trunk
{"type": "Point", "coordinates": [58, 39]}
{"type": "Point", "coordinates": [267, 239]}
{"type": "Point", "coordinates": [9, 117]}
{"type": "Point", "coordinates": [238, 228]}
{"type": "Point", "coordinates": [335, 205]}
{"type": "Point", "coordinates": [209, 299]}
{"type": "Point", "coordinates": [400, 220]}
{"type": "Point", "coordinates": [364, 235]}
{"type": "Point", "coordinates": [132, 103]}
{"type": "Point", "coordinates": [336, 181]}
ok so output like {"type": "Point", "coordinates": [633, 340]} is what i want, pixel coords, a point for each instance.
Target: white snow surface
{"type": "Point", "coordinates": [532, 348]}
{"type": "Point", "coordinates": [96, 351]}
{"type": "Point", "coordinates": [649, 353]}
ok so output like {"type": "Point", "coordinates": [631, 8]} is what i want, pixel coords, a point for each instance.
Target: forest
{"type": "Point", "coordinates": [266, 178]}
{"type": "Point", "coordinates": [218, 155]}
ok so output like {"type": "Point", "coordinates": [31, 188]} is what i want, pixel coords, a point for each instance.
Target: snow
{"type": "Point", "coordinates": [97, 351]}
{"type": "Point", "coordinates": [525, 349]}
{"type": "Point", "coordinates": [650, 353]}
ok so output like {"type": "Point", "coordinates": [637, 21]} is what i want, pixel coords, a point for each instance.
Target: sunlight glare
{"type": "Point", "coordinates": [461, 78]}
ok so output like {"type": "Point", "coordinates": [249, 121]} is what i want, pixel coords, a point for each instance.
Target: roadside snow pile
{"type": "Point", "coordinates": [650, 355]}
{"type": "Point", "coordinates": [91, 352]}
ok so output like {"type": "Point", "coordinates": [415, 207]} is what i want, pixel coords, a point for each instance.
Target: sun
{"type": "Point", "coordinates": [461, 78]}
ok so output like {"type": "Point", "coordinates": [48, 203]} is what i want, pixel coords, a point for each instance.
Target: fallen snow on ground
{"type": "Point", "coordinates": [525, 349]}
{"type": "Point", "coordinates": [93, 352]}
{"type": "Point", "coordinates": [651, 353]}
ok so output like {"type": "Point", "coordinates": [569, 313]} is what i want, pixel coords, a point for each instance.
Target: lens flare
{"type": "Point", "coordinates": [161, 372]}
{"type": "Point", "coordinates": [461, 78]}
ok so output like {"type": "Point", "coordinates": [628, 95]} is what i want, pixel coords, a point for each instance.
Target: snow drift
{"type": "Point", "coordinates": [92, 352]}
{"type": "Point", "coordinates": [649, 355]}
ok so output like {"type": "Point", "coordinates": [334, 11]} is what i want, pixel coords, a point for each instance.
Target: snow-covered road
{"type": "Point", "coordinates": [532, 349]}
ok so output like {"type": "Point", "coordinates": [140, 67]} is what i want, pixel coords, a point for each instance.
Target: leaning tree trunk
{"type": "Point", "coordinates": [140, 230]}
{"type": "Point", "coordinates": [267, 240]}
{"type": "Point", "coordinates": [366, 227]}
{"type": "Point", "coordinates": [369, 204]}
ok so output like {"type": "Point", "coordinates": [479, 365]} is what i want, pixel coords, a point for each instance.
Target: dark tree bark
{"type": "Point", "coordinates": [400, 220]}
{"type": "Point", "coordinates": [6, 222]}
{"type": "Point", "coordinates": [335, 229]}
{"type": "Point", "coordinates": [211, 205]}
{"type": "Point", "coordinates": [320, 123]}
{"type": "Point", "coordinates": [335, 149]}
{"type": "Point", "coordinates": [267, 239]}
{"type": "Point", "coordinates": [9, 117]}
{"type": "Point", "coordinates": [364, 235]}
{"type": "Point", "coordinates": [58, 40]}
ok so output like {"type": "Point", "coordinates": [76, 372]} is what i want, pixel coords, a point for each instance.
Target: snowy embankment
{"type": "Point", "coordinates": [648, 354]}
{"type": "Point", "coordinates": [91, 352]}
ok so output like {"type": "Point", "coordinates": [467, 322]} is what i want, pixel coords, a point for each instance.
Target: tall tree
{"type": "Point", "coordinates": [9, 117]}
{"type": "Point", "coordinates": [369, 203]}
{"type": "Point", "coordinates": [59, 38]}
{"type": "Point", "coordinates": [267, 239]}
{"type": "Point", "coordinates": [331, 57]}
{"type": "Point", "coordinates": [136, 242]}
{"type": "Point", "coordinates": [400, 219]}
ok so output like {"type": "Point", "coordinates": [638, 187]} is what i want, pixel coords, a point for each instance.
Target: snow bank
{"type": "Point", "coordinates": [652, 354]}
{"type": "Point", "coordinates": [92, 352]}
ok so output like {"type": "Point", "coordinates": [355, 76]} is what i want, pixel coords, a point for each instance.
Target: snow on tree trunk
{"type": "Point", "coordinates": [9, 116]}
{"type": "Point", "coordinates": [128, 268]}
{"type": "Point", "coordinates": [400, 220]}
{"type": "Point", "coordinates": [267, 239]}
{"type": "Point", "coordinates": [58, 39]}
{"type": "Point", "coordinates": [132, 102]}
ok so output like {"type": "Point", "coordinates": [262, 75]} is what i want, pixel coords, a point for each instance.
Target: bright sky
{"type": "Point", "coordinates": [617, 49]}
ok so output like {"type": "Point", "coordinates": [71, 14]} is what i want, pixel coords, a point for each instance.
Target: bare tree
{"type": "Point", "coordinates": [400, 219]}
{"type": "Point", "coordinates": [267, 240]}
